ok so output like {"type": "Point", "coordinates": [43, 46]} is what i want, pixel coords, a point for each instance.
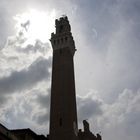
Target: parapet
{"type": "Point", "coordinates": [87, 134]}
{"type": "Point", "coordinates": [86, 126]}
{"type": "Point", "coordinates": [62, 25]}
{"type": "Point", "coordinates": [63, 19]}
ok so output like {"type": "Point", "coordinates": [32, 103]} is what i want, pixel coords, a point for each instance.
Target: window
{"type": "Point", "coordinates": [60, 28]}
{"type": "Point", "coordinates": [58, 41]}
{"type": "Point", "coordinates": [66, 38]}
{"type": "Point", "coordinates": [60, 51]}
{"type": "Point", "coordinates": [60, 122]}
{"type": "Point", "coordinates": [54, 42]}
{"type": "Point", "coordinates": [61, 40]}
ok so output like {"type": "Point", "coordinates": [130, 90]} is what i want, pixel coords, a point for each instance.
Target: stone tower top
{"type": "Point", "coordinates": [62, 25]}
{"type": "Point", "coordinates": [62, 38]}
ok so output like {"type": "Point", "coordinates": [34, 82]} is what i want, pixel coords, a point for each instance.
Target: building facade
{"type": "Point", "coordinates": [6, 134]}
{"type": "Point", "coordinates": [19, 134]}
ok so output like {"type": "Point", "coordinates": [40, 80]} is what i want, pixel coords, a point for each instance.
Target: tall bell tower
{"type": "Point", "coordinates": [63, 112]}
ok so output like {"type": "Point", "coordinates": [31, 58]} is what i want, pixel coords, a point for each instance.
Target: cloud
{"type": "Point", "coordinates": [115, 120]}
{"type": "Point", "coordinates": [26, 78]}
{"type": "Point", "coordinates": [24, 68]}
{"type": "Point", "coordinates": [108, 63]}
{"type": "Point", "coordinates": [43, 101]}
{"type": "Point", "coordinates": [3, 100]}
{"type": "Point", "coordinates": [88, 107]}
{"type": "Point", "coordinates": [42, 118]}
{"type": "Point", "coordinates": [121, 118]}
{"type": "Point", "coordinates": [27, 110]}
{"type": "Point", "coordinates": [39, 47]}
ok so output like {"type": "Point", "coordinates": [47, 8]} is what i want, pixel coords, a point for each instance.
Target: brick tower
{"type": "Point", "coordinates": [63, 112]}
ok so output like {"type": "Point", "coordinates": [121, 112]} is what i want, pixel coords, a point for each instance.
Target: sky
{"type": "Point", "coordinates": [106, 34]}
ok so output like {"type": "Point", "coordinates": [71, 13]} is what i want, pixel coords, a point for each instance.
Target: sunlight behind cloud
{"type": "Point", "coordinates": [33, 30]}
{"type": "Point", "coordinates": [36, 25]}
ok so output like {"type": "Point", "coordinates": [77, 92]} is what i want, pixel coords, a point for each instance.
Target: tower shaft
{"type": "Point", "coordinates": [63, 112]}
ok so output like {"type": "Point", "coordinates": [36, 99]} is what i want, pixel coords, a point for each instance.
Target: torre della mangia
{"type": "Point", "coordinates": [63, 110]}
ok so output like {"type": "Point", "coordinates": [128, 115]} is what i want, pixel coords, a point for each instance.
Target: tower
{"type": "Point", "coordinates": [63, 112]}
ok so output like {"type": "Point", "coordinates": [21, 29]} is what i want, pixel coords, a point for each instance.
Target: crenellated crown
{"type": "Point", "coordinates": [62, 37]}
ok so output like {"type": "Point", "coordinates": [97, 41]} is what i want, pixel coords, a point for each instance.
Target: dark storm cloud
{"type": "Point", "coordinates": [26, 78]}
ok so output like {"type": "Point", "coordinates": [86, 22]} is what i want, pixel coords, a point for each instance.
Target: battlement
{"type": "Point", "coordinates": [62, 38]}
{"type": "Point", "coordinates": [62, 25]}
{"type": "Point", "coordinates": [63, 19]}
{"type": "Point", "coordinates": [87, 134]}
